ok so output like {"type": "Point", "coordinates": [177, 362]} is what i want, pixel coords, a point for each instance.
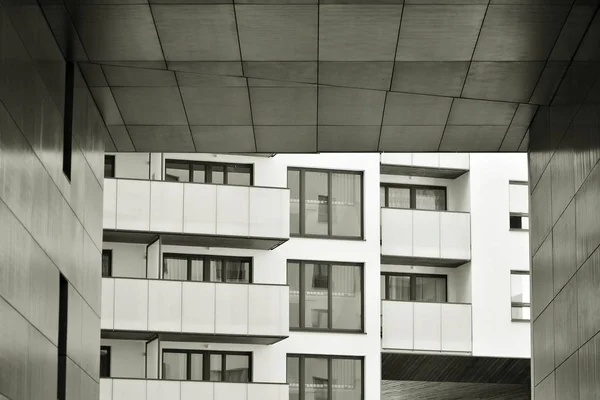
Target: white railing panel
{"type": "Point", "coordinates": [129, 389]}
{"type": "Point", "coordinates": [398, 326]}
{"type": "Point", "coordinates": [198, 307]}
{"type": "Point", "coordinates": [109, 217]}
{"type": "Point", "coordinates": [166, 206]}
{"type": "Point", "coordinates": [198, 391]}
{"type": "Point", "coordinates": [456, 327]}
{"type": "Point", "coordinates": [108, 303]}
{"type": "Point", "coordinates": [164, 306]}
{"type": "Point", "coordinates": [427, 326]}
{"type": "Point", "coordinates": [231, 315]}
{"type": "Point", "coordinates": [269, 212]}
{"type": "Point", "coordinates": [199, 209]}
{"type": "Point", "coordinates": [163, 390]}
{"type": "Point", "coordinates": [131, 304]}
{"type": "Point", "coordinates": [265, 311]}
{"type": "Point", "coordinates": [426, 234]}
{"type": "Point", "coordinates": [233, 210]}
{"type": "Point", "coordinates": [397, 232]}
{"type": "Point", "coordinates": [455, 236]}
{"type": "Point", "coordinates": [133, 205]}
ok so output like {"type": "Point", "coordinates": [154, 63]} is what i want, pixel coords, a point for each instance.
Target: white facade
{"type": "Point", "coordinates": [470, 242]}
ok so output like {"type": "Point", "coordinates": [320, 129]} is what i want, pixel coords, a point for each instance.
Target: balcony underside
{"type": "Point", "coordinates": [422, 261]}
{"type": "Point", "coordinates": [191, 337]}
{"type": "Point", "coordinates": [406, 390]}
{"type": "Point", "coordinates": [427, 172]}
{"type": "Point", "coordinates": [177, 239]}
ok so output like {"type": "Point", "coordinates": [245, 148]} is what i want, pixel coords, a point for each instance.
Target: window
{"type": "Point", "coordinates": [325, 296]}
{"type": "Point", "coordinates": [520, 295]}
{"type": "Point", "coordinates": [106, 263]}
{"type": "Point", "coordinates": [109, 166]}
{"type": "Point", "coordinates": [519, 221]}
{"type": "Point", "coordinates": [413, 287]}
{"type": "Point", "coordinates": [312, 377]}
{"type": "Point", "coordinates": [413, 197]}
{"type": "Point", "coordinates": [104, 361]}
{"type": "Point", "coordinates": [192, 267]}
{"type": "Point", "coordinates": [325, 203]}
{"type": "Point", "coordinates": [518, 194]}
{"type": "Point", "coordinates": [207, 172]}
{"type": "Point", "coordinates": [214, 366]}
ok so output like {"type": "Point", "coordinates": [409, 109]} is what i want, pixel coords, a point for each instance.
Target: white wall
{"type": "Point", "coordinates": [495, 251]}
{"type": "Point", "coordinates": [128, 260]}
{"type": "Point", "coordinates": [127, 359]}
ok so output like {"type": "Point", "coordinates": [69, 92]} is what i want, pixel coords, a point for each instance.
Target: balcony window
{"type": "Point", "coordinates": [104, 361]}
{"type": "Point", "coordinates": [520, 295]}
{"type": "Point", "coordinates": [106, 263]}
{"type": "Point", "coordinates": [207, 172]}
{"type": "Point", "coordinates": [313, 377]}
{"type": "Point", "coordinates": [204, 268]}
{"type": "Point", "coordinates": [109, 166]}
{"type": "Point", "coordinates": [413, 287]}
{"type": "Point", "coordinates": [413, 197]}
{"type": "Point", "coordinates": [325, 203]}
{"type": "Point", "coordinates": [214, 366]}
{"type": "Point", "coordinates": [325, 296]}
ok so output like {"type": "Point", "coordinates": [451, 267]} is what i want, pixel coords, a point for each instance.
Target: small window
{"type": "Point", "coordinates": [193, 267]}
{"type": "Point", "coordinates": [520, 295]}
{"type": "Point", "coordinates": [105, 362]}
{"type": "Point", "coordinates": [106, 263]}
{"type": "Point", "coordinates": [207, 172]}
{"type": "Point", "coordinates": [413, 197]}
{"type": "Point", "coordinates": [519, 222]}
{"type": "Point", "coordinates": [109, 166]}
{"type": "Point", "coordinates": [412, 287]}
{"type": "Point", "coordinates": [214, 366]}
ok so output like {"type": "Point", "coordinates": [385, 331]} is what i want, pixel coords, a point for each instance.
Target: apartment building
{"type": "Point", "coordinates": [314, 277]}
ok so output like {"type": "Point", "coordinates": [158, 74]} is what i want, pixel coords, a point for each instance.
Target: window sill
{"type": "Point", "coordinates": [353, 239]}
{"type": "Point", "coordinates": [345, 331]}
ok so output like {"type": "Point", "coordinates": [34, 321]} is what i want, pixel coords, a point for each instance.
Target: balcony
{"type": "Point", "coordinates": [140, 309]}
{"type": "Point", "coordinates": [432, 165]}
{"type": "Point", "coordinates": [195, 214]}
{"type": "Point", "coordinates": [427, 327]}
{"type": "Point", "coordinates": [425, 238]}
{"type": "Point", "coordinates": [142, 389]}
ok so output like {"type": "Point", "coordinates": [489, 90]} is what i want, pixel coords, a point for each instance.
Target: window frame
{"type": "Point", "coordinates": [302, 225]}
{"type": "Point", "coordinates": [108, 351]}
{"type": "Point", "coordinates": [413, 285]}
{"type": "Point", "coordinates": [109, 253]}
{"type": "Point", "coordinates": [302, 296]}
{"type": "Point", "coordinates": [413, 195]}
{"type": "Point", "coordinates": [206, 362]}
{"type": "Point", "coordinates": [208, 168]}
{"type": "Point", "coordinates": [206, 259]}
{"type": "Point", "coordinates": [521, 215]}
{"type": "Point", "coordinates": [520, 304]}
{"type": "Point", "coordinates": [111, 162]}
{"type": "Point", "coordinates": [301, 367]}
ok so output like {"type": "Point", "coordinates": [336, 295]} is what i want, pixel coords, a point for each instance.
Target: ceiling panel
{"type": "Point", "coordinates": [362, 75]}
{"type": "Point", "coordinates": [126, 76]}
{"type": "Point", "coordinates": [106, 105]}
{"type": "Point", "coordinates": [360, 1]}
{"type": "Point", "coordinates": [428, 77]}
{"type": "Point", "coordinates": [524, 114]}
{"type": "Point", "coordinates": [284, 106]}
{"type": "Point", "coordinates": [503, 81]}
{"type": "Point", "coordinates": [572, 32]}
{"type": "Point", "coordinates": [162, 138]}
{"type": "Point", "coordinates": [472, 138]}
{"type": "Point", "coordinates": [549, 81]}
{"type": "Point", "coordinates": [64, 30]}
{"type": "Point", "coordinates": [120, 137]}
{"type": "Point", "coordinates": [118, 32]}
{"type": "Point", "coordinates": [93, 74]}
{"type": "Point", "coordinates": [197, 32]}
{"type": "Point", "coordinates": [430, 390]}
{"type": "Point", "coordinates": [217, 105]}
{"type": "Point", "coordinates": [278, 33]}
{"type": "Point", "coordinates": [414, 109]}
{"type": "Point", "coordinates": [410, 138]}
{"type": "Point", "coordinates": [150, 106]}
{"type": "Point", "coordinates": [519, 32]}
{"type": "Point", "coordinates": [439, 32]}
{"type": "Point", "coordinates": [233, 68]}
{"type": "Point", "coordinates": [286, 139]}
{"type": "Point", "coordinates": [588, 49]}
{"type": "Point", "coordinates": [342, 106]}
{"type": "Point", "coordinates": [372, 37]}
{"type": "Point", "coordinates": [481, 112]}
{"type": "Point", "coordinates": [447, 2]}
{"type": "Point", "coordinates": [348, 138]}
{"type": "Point", "coordinates": [513, 138]}
{"type": "Point", "coordinates": [224, 139]}
{"type": "Point", "coordinates": [301, 72]}
{"type": "Point", "coordinates": [187, 79]}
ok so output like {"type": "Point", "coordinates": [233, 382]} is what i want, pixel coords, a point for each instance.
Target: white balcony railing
{"type": "Point", "coordinates": [417, 237]}
{"type": "Point", "coordinates": [428, 160]}
{"type": "Point", "coordinates": [195, 307]}
{"type": "Point", "coordinates": [437, 327]}
{"type": "Point", "coordinates": [196, 209]}
{"type": "Point", "coordinates": [140, 389]}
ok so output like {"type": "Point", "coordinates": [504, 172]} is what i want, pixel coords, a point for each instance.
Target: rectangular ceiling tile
{"type": "Point", "coordinates": [224, 139]}
{"type": "Point", "coordinates": [435, 78]}
{"type": "Point", "coordinates": [519, 32]}
{"type": "Point", "coordinates": [572, 32]}
{"type": "Point", "coordinates": [197, 32]}
{"type": "Point", "coordinates": [513, 138]}
{"type": "Point", "coordinates": [295, 72]}
{"type": "Point", "coordinates": [472, 138]}
{"type": "Point", "coordinates": [439, 32]}
{"type": "Point", "coordinates": [286, 139]}
{"type": "Point", "coordinates": [162, 138]}
{"type": "Point", "coordinates": [342, 106]}
{"type": "Point", "coordinates": [93, 74]}
{"type": "Point", "coordinates": [358, 32]}
{"type": "Point", "coordinates": [410, 138]}
{"type": "Point", "coordinates": [120, 137]}
{"type": "Point", "coordinates": [278, 32]}
{"type": "Point", "coordinates": [481, 112]}
{"type": "Point", "coordinates": [414, 109]}
{"type": "Point", "coordinates": [502, 81]}
{"type": "Point", "coordinates": [549, 81]}
{"type": "Point", "coordinates": [217, 106]}
{"type": "Point", "coordinates": [348, 138]}
{"type": "Point", "coordinates": [360, 75]}
{"type": "Point", "coordinates": [233, 68]}
{"type": "Point", "coordinates": [106, 105]}
{"type": "Point", "coordinates": [127, 76]}
{"type": "Point", "coordinates": [150, 105]}
{"type": "Point", "coordinates": [284, 106]}
{"type": "Point", "coordinates": [186, 79]}
{"type": "Point", "coordinates": [524, 114]}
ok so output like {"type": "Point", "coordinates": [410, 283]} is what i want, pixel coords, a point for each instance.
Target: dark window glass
{"type": "Point", "coordinates": [105, 362]}
{"type": "Point", "coordinates": [191, 267]}
{"type": "Point", "coordinates": [316, 203]}
{"type": "Point", "coordinates": [199, 173]}
{"type": "Point", "coordinates": [217, 174]}
{"type": "Point", "coordinates": [239, 175]}
{"type": "Point", "coordinates": [347, 379]}
{"type": "Point", "coordinates": [207, 172]}
{"type": "Point", "coordinates": [174, 366]}
{"type": "Point", "coordinates": [410, 287]}
{"type": "Point", "coordinates": [216, 367]}
{"type": "Point", "coordinates": [206, 366]}
{"type": "Point", "coordinates": [414, 197]}
{"type": "Point", "coordinates": [519, 221]}
{"type": "Point", "coordinates": [520, 295]}
{"type": "Point", "coordinates": [325, 296]}
{"type": "Point", "coordinates": [109, 166]}
{"type": "Point", "coordinates": [293, 377]}
{"type": "Point", "coordinates": [197, 367]}
{"type": "Point", "coordinates": [177, 172]}
{"type": "Point", "coordinates": [106, 263]}
{"type": "Point", "coordinates": [346, 204]}
{"type": "Point", "coordinates": [237, 368]}
{"type": "Point", "coordinates": [430, 289]}
{"type": "Point", "coordinates": [230, 270]}
{"type": "Point", "coordinates": [398, 287]}
{"type": "Point", "coordinates": [175, 268]}
{"type": "Point", "coordinates": [316, 378]}
{"type": "Point", "coordinates": [294, 186]}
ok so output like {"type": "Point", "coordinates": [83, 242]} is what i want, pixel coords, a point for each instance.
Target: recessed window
{"type": "Point", "coordinates": [109, 166]}
{"type": "Point", "coordinates": [214, 366]}
{"type": "Point", "coordinates": [520, 295]}
{"type": "Point", "coordinates": [325, 203]}
{"type": "Point", "coordinates": [413, 197]}
{"type": "Point", "coordinates": [519, 221]}
{"type": "Point", "coordinates": [106, 263]}
{"type": "Point", "coordinates": [414, 287]}
{"type": "Point", "coordinates": [192, 267]}
{"type": "Point", "coordinates": [312, 377]}
{"type": "Point", "coordinates": [325, 296]}
{"type": "Point", "coordinates": [207, 172]}
{"type": "Point", "coordinates": [105, 362]}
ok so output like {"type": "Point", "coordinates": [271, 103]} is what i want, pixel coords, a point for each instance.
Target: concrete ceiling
{"type": "Point", "coordinates": [275, 76]}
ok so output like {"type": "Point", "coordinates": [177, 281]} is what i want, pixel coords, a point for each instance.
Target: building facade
{"type": "Point", "coordinates": [312, 276]}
